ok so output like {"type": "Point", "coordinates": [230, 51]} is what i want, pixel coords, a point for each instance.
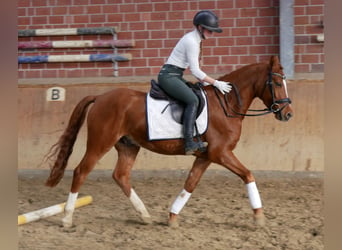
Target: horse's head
{"type": "Point", "coordinates": [274, 93]}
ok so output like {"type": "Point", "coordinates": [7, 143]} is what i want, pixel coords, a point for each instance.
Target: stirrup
{"type": "Point", "coordinates": [194, 146]}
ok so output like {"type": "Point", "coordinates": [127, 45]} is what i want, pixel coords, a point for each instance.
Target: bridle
{"type": "Point", "coordinates": [275, 107]}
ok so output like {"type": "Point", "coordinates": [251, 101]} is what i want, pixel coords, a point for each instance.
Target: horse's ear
{"type": "Point", "coordinates": [274, 61]}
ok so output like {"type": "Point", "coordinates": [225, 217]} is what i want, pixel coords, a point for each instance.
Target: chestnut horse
{"type": "Point", "coordinates": [118, 118]}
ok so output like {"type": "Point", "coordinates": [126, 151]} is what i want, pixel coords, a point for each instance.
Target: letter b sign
{"type": "Point", "coordinates": [55, 94]}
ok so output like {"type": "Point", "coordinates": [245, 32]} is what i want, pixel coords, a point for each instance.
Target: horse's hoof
{"type": "Point", "coordinates": [173, 223]}
{"type": "Point", "coordinates": [146, 220]}
{"type": "Point", "coordinates": [260, 220]}
{"type": "Point", "coordinates": [66, 224]}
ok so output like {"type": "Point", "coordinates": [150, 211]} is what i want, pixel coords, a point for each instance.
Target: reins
{"type": "Point", "coordinates": [274, 108]}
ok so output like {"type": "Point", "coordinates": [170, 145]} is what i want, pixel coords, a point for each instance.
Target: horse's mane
{"type": "Point", "coordinates": [239, 74]}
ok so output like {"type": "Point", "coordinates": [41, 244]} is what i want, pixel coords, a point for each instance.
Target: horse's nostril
{"type": "Point", "coordinates": [288, 115]}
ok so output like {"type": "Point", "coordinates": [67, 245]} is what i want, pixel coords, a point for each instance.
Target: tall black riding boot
{"type": "Point", "coordinates": [189, 119]}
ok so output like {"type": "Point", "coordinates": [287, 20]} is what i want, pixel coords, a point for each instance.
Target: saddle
{"type": "Point", "coordinates": [177, 107]}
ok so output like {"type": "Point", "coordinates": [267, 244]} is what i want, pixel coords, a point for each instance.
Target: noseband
{"type": "Point", "coordinates": [275, 107]}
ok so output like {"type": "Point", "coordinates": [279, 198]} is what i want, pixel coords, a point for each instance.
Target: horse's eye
{"type": "Point", "coordinates": [278, 84]}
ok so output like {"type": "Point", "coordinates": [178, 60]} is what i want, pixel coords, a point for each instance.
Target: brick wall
{"type": "Point", "coordinates": [251, 33]}
{"type": "Point", "coordinates": [309, 55]}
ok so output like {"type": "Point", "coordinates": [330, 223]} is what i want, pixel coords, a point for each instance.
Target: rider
{"type": "Point", "coordinates": [186, 54]}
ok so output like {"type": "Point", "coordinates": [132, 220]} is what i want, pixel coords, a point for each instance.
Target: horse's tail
{"type": "Point", "coordinates": [63, 148]}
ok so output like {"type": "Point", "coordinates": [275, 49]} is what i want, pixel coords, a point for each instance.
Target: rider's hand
{"type": "Point", "coordinates": [223, 86]}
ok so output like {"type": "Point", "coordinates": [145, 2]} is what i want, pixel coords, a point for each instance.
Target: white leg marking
{"type": "Point", "coordinates": [285, 86]}
{"type": "Point", "coordinates": [180, 202]}
{"type": "Point", "coordinates": [253, 195]}
{"type": "Point", "coordinates": [138, 204]}
{"type": "Point", "coordinates": [69, 209]}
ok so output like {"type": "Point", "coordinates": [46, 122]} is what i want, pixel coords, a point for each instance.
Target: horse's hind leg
{"type": "Point", "coordinates": [80, 173]}
{"type": "Point", "coordinates": [127, 153]}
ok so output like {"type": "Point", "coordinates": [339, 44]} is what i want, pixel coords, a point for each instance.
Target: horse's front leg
{"type": "Point", "coordinates": [198, 168]}
{"type": "Point", "coordinates": [229, 160]}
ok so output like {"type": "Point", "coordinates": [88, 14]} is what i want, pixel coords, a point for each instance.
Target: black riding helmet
{"type": "Point", "coordinates": [208, 20]}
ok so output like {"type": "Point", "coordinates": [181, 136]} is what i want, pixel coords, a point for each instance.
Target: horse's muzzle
{"type": "Point", "coordinates": [284, 116]}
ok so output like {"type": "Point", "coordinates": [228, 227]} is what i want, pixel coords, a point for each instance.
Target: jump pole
{"type": "Point", "coordinates": [76, 58]}
{"type": "Point", "coordinates": [52, 210]}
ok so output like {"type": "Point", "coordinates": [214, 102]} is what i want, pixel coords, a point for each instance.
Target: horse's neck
{"type": "Point", "coordinates": [247, 80]}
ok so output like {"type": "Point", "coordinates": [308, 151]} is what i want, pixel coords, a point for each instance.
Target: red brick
{"type": "Point", "coordinates": [113, 18]}
{"type": "Point", "coordinates": [76, 10]}
{"type": "Point", "coordinates": [314, 48]}
{"type": "Point", "coordinates": [162, 6]}
{"type": "Point", "coordinates": [125, 71]}
{"type": "Point", "coordinates": [24, 21]}
{"type": "Point", "coordinates": [49, 74]}
{"type": "Point", "coordinates": [244, 40]}
{"type": "Point", "coordinates": [145, 16]}
{"type": "Point", "coordinates": [244, 4]}
{"type": "Point", "coordinates": [44, 11]}
{"type": "Point", "coordinates": [268, 31]}
{"type": "Point", "coordinates": [248, 59]}
{"type": "Point", "coordinates": [81, 19]}
{"type": "Point", "coordinates": [159, 16]}
{"type": "Point", "coordinates": [155, 25]}
{"type": "Point", "coordinates": [299, 10]}
{"type": "Point", "coordinates": [225, 41]}
{"type": "Point", "coordinates": [138, 62]}
{"type": "Point", "coordinates": [262, 3]}
{"type": "Point", "coordinates": [145, 7]}
{"type": "Point", "coordinates": [302, 2]}
{"type": "Point", "coordinates": [97, 18]}
{"type": "Point", "coordinates": [314, 10]}
{"type": "Point", "coordinates": [159, 34]}
{"type": "Point", "coordinates": [258, 50]}
{"type": "Point", "coordinates": [175, 15]}
{"type": "Point", "coordinates": [127, 8]}
{"type": "Point", "coordinates": [141, 35]}
{"type": "Point", "coordinates": [56, 20]}
{"type": "Point", "coordinates": [150, 53]}
{"type": "Point", "coordinates": [179, 6]}
{"type": "Point", "coordinates": [241, 22]}
{"type": "Point", "coordinates": [234, 50]}
{"type": "Point", "coordinates": [301, 20]}
{"type": "Point", "coordinates": [105, 72]}
{"type": "Point", "coordinates": [252, 12]}
{"type": "Point", "coordinates": [273, 49]}
{"type": "Point", "coordinates": [39, 20]}
{"type": "Point", "coordinates": [240, 32]}
{"type": "Point", "coordinates": [317, 2]}
{"type": "Point", "coordinates": [111, 9]}
{"type": "Point", "coordinates": [59, 10]}
{"type": "Point", "coordinates": [33, 74]}
{"type": "Point", "coordinates": [142, 71]}
{"type": "Point", "coordinates": [268, 12]}
{"type": "Point", "coordinates": [38, 3]}
{"type": "Point", "coordinates": [155, 62]}
{"type": "Point", "coordinates": [301, 68]}
{"type": "Point", "coordinates": [93, 9]}
{"type": "Point", "coordinates": [300, 30]}
{"type": "Point", "coordinates": [137, 26]}
{"type": "Point", "coordinates": [229, 13]}
{"type": "Point", "coordinates": [154, 44]}
{"type": "Point", "coordinates": [309, 58]}
{"type": "Point", "coordinates": [224, 4]}
{"type": "Point", "coordinates": [317, 67]}
{"type": "Point", "coordinates": [208, 5]}
{"type": "Point", "coordinates": [175, 34]}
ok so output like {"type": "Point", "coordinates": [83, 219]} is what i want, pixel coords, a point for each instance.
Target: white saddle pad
{"type": "Point", "coordinates": [161, 125]}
